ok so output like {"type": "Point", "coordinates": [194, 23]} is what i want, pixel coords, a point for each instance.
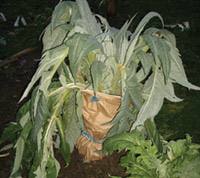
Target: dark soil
{"type": "Point", "coordinates": [174, 120]}
{"type": "Point", "coordinates": [96, 169]}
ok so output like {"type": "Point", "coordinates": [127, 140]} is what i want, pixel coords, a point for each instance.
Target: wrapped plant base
{"type": "Point", "coordinates": [97, 112]}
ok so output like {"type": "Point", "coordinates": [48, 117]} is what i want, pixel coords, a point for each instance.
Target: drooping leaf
{"type": "Point", "coordinates": [146, 61]}
{"type": "Point", "coordinates": [64, 146]}
{"type": "Point", "coordinates": [160, 49]}
{"type": "Point", "coordinates": [169, 93]}
{"type": "Point", "coordinates": [177, 71]}
{"type": "Point", "coordinates": [62, 13]}
{"type": "Point", "coordinates": [79, 46]}
{"type": "Point", "coordinates": [155, 90]}
{"type": "Point", "coordinates": [47, 67]}
{"type": "Point", "coordinates": [153, 102]}
{"type": "Point", "coordinates": [72, 125]}
{"type": "Point", "coordinates": [154, 93]}
{"type": "Point", "coordinates": [20, 145]}
{"type": "Point", "coordinates": [137, 32]}
{"type": "Point", "coordinates": [52, 39]}
{"type": "Point", "coordinates": [170, 37]}
{"type": "Point", "coordinates": [42, 114]}
{"type": "Point", "coordinates": [48, 131]}
{"type": "Point", "coordinates": [88, 20]}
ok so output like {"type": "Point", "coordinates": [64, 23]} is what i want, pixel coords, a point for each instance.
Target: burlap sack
{"type": "Point", "coordinates": [96, 114]}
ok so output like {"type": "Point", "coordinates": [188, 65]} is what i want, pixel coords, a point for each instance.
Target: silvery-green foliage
{"type": "Point", "coordinates": [81, 52]}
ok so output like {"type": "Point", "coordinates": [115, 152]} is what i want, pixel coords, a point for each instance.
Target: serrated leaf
{"type": "Point", "coordinates": [46, 148]}
{"type": "Point", "coordinates": [155, 90]}
{"type": "Point", "coordinates": [47, 69]}
{"type": "Point", "coordinates": [153, 102]}
{"type": "Point", "coordinates": [42, 114]}
{"type": "Point", "coordinates": [168, 92]}
{"type": "Point", "coordinates": [20, 145]}
{"type": "Point", "coordinates": [177, 71]}
{"type": "Point", "coordinates": [121, 141]}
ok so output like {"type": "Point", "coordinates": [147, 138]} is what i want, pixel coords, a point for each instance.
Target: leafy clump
{"type": "Point", "coordinates": [179, 159]}
{"type": "Point", "coordinates": [82, 51]}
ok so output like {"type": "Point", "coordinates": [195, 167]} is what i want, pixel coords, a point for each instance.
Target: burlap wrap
{"type": "Point", "coordinates": [96, 114]}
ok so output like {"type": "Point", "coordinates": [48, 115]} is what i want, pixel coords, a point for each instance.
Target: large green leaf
{"type": "Point", "coordinates": [177, 71]}
{"type": "Point", "coordinates": [54, 39]}
{"type": "Point", "coordinates": [79, 46]}
{"type": "Point", "coordinates": [88, 21]}
{"type": "Point", "coordinates": [64, 146]}
{"type": "Point", "coordinates": [45, 144]}
{"type": "Point", "coordinates": [63, 19]}
{"type": "Point", "coordinates": [71, 121]}
{"type": "Point", "coordinates": [97, 70]}
{"type": "Point", "coordinates": [155, 90]}
{"type": "Point", "coordinates": [121, 42]}
{"type": "Point", "coordinates": [41, 116]}
{"type": "Point", "coordinates": [47, 69]}
{"type": "Point", "coordinates": [159, 48]}
{"type": "Point", "coordinates": [20, 145]}
{"type": "Point", "coordinates": [62, 13]}
{"type": "Point", "coordinates": [137, 32]}
{"type": "Point", "coordinates": [123, 141]}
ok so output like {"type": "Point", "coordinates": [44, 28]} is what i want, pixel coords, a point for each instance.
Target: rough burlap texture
{"type": "Point", "coordinates": [95, 115]}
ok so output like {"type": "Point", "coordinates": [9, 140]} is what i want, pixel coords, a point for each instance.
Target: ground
{"type": "Point", "coordinates": [174, 121]}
